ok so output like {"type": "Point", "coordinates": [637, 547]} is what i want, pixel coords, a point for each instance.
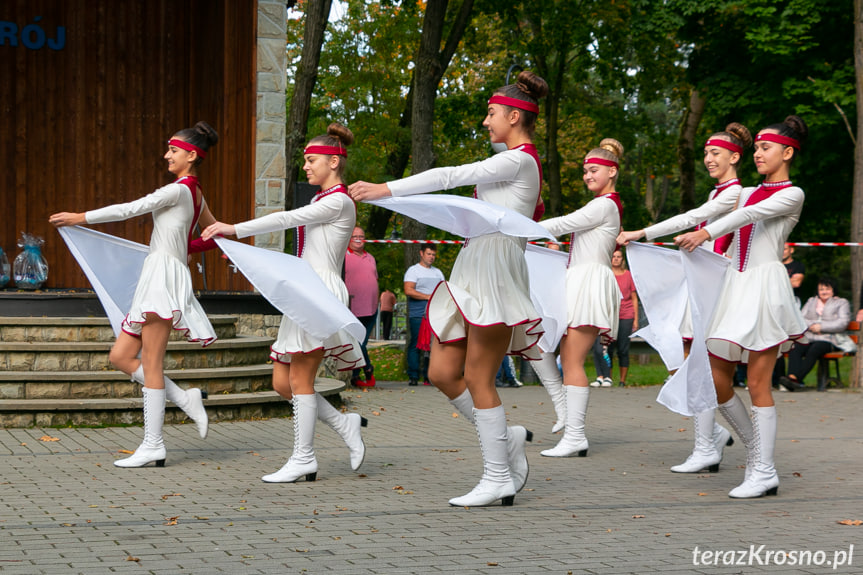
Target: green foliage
{"type": "Point", "coordinates": [617, 68]}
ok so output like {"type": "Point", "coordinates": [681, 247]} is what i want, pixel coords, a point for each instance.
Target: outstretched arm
{"type": "Point", "coordinates": [364, 191]}
{"type": "Point", "coordinates": [67, 219]}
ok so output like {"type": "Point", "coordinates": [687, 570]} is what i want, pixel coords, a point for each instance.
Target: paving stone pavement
{"type": "Point", "coordinates": [64, 508]}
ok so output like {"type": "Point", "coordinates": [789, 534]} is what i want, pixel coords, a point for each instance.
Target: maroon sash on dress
{"type": "Point", "coordinates": [744, 234]}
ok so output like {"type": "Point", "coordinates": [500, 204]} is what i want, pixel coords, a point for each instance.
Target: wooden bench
{"type": "Point", "coordinates": [825, 378]}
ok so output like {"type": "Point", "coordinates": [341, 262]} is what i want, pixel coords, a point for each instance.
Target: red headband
{"type": "Point", "coordinates": [601, 162]}
{"type": "Point", "coordinates": [514, 103]}
{"type": "Point", "coordinates": [784, 140]}
{"type": "Point", "coordinates": [724, 144]}
{"type": "Point", "coordinates": [326, 150]}
{"type": "Point", "coordinates": [183, 145]}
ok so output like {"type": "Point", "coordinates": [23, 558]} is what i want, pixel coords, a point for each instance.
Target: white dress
{"type": "Point", "coordinates": [328, 222]}
{"type": "Point", "coordinates": [720, 202]}
{"type": "Point", "coordinates": [165, 285]}
{"type": "Point", "coordinates": [489, 282]}
{"type": "Point", "coordinates": [757, 310]}
{"type": "Point", "coordinates": [592, 293]}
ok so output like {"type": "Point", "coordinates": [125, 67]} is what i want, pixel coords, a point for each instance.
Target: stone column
{"type": "Point", "coordinates": [270, 166]}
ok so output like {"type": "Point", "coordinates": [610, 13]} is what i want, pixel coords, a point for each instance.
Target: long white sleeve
{"type": "Point", "coordinates": [592, 215]}
{"type": "Point", "coordinates": [786, 202]}
{"type": "Point", "coordinates": [324, 210]}
{"type": "Point", "coordinates": [163, 197]}
{"type": "Point", "coordinates": [722, 204]}
{"type": "Point", "coordinates": [498, 168]}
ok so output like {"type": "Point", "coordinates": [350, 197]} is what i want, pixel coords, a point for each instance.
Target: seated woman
{"type": "Point", "coordinates": [827, 317]}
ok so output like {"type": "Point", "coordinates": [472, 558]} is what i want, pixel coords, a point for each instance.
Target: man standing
{"type": "Point", "coordinates": [796, 270]}
{"type": "Point", "coordinates": [420, 281]}
{"type": "Point", "coordinates": [361, 279]}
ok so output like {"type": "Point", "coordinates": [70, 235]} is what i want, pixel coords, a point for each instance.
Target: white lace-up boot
{"type": "Point", "coordinates": [152, 449]}
{"type": "Point", "coordinates": [552, 381]}
{"type": "Point", "coordinates": [302, 462]}
{"type": "Point", "coordinates": [761, 477]}
{"type": "Point", "coordinates": [710, 439]}
{"type": "Point", "coordinates": [516, 437]}
{"type": "Point", "coordinates": [573, 441]}
{"type": "Point", "coordinates": [348, 426]}
{"type": "Point", "coordinates": [496, 482]}
{"type": "Point", "coordinates": [736, 414]}
{"type": "Point", "coordinates": [190, 401]}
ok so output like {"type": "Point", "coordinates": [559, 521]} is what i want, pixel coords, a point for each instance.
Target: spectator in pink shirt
{"type": "Point", "coordinates": [361, 278]}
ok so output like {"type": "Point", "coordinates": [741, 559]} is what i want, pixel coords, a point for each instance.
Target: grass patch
{"type": "Point", "coordinates": [644, 369]}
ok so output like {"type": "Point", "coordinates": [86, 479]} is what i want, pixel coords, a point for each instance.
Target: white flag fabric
{"type": "Point", "coordinates": [463, 216]}
{"type": "Point", "coordinates": [690, 390]}
{"type": "Point", "coordinates": [111, 264]}
{"type": "Point", "coordinates": [293, 287]}
{"type": "Point", "coordinates": [661, 285]}
{"type": "Point", "coordinates": [547, 271]}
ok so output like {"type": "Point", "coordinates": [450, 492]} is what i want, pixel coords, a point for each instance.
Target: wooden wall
{"type": "Point", "coordinates": [86, 125]}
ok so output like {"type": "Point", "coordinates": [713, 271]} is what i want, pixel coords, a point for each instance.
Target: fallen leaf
{"type": "Point", "coordinates": [796, 474]}
{"type": "Point", "coordinates": [397, 487]}
{"type": "Point", "coordinates": [492, 564]}
{"type": "Point", "coordinates": [454, 414]}
{"type": "Point", "coordinates": [702, 494]}
{"type": "Point", "coordinates": [638, 516]}
{"type": "Point", "coordinates": [795, 441]}
{"type": "Point", "coordinates": [852, 522]}
{"type": "Point", "coordinates": [199, 518]}
{"type": "Point", "coordinates": [376, 413]}
{"type": "Point", "coordinates": [135, 559]}
{"type": "Point", "coordinates": [49, 438]}
{"type": "Point", "coordinates": [171, 520]}
{"type": "Point", "coordinates": [164, 497]}
{"type": "Point", "coordinates": [668, 534]}
{"type": "Point", "coordinates": [126, 451]}
{"type": "Point", "coordinates": [682, 429]}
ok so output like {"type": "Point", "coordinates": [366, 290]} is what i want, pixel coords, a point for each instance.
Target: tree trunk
{"type": "Point", "coordinates": [857, 202]}
{"type": "Point", "coordinates": [317, 14]}
{"type": "Point", "coordinates": [686, 149]}
{"type": "Point", "coordinates": [431, 62]}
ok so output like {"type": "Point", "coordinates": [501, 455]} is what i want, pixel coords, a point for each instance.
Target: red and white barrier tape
{"type": "Point", "coordinates": [795, 244]}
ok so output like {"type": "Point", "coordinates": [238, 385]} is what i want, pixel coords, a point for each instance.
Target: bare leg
{"type": "Point", "coordinates": [574, 349]}
{"type": "Point", "coordinates": [759, 374]}
{"type": "Point", "coordinates": [282, 379]}
{"type": "Point", "coordinates": [124, 353]}
{"type": "Point", "coordinates": [446, 367]}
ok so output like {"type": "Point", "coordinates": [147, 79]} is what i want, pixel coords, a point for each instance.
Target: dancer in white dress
{"type": "Point", "coordinates": [722, 154]}
{"type": "Point", "coordinates": [325, 227]}
{"type": "Point", "coordinates": [476, 317]}
{"type": "Point", "coordinates": [163, 298]}
{"type": "Point", "coordinates": [756, 317]}
{"type": "Point", "coordinates": [592, 294]}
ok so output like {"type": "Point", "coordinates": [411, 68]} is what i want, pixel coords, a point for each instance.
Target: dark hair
{"type": "Point", "coordinates": [201, 135]}
{"type": "Point", "coordinates": [530, 88]}
{"type": "Point", "coordinates": [828, 281]}
{"type": "Point", "coordinates": [337, 136]}
{"type": "Point", "coordinates": [792, 127]}
{"type": "Point", "coordinates": [738, 134]}
{"type": "Point", "coordinates": [424, 247]}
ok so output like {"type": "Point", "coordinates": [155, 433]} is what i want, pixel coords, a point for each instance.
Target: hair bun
{"type": "Point", "coordinates": [341, 133]}
{"type": "Point", "coordinates": [740, 132]}
{"type": "Point", "coordinates": [612, 146]}
{"type": "Point", "coordinates": [208, 132]}
{"type": "Point", "coordinates": [800, 128]}
{"type": "Point", "coordinates": [531, 84]}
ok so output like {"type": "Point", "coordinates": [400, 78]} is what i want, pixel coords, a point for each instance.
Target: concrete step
{"type": "Point", "coordinates": [124, 411]}
{"type": "Point", "coordinates": [93, 355]}
{"type": "Point", "coordinates": [50, 329]}
{"type": "Point", "coordinates": [112, 384]}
